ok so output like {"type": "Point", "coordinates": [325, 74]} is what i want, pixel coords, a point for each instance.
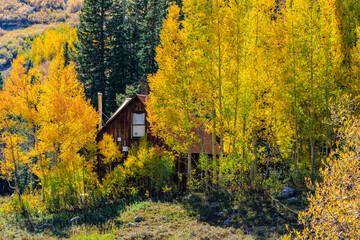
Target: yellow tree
{"type": "Point", "coordinates": [237, 99]}
{"type": "Point", "coordinates": [314, 44]}
{"type": "Point", "coordinates": [204, 28]}
{"type": "Point", "coordinates": [13, 157]}
{"type": "Point", "coordinates": [52, 43]}
{"type": "Point", "coordinates": [68, 123]}
{"type": "Point", "coordinates": [19, 101]}
{"type": "Point", "coordinates": [171, 105]}
{"type": "Point", "coordinates": [109, 150]}
{"type": "Point", "coordinates": [333, 212]}
{"type": "Point", "coordinates": [260, 81]}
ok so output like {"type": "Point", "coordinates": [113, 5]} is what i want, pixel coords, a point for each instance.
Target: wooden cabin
{"type": "Point", "coordinates": [129, 123]}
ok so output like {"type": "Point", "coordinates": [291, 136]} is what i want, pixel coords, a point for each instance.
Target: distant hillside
{"type": "Point", "coordinates": [24, 13]}
{"type": "Point", "coordinates": [22, 19]}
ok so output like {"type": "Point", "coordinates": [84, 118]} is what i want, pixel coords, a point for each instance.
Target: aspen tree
{"type": "Point", "coordinates": [109, 149]}
{"type": "Point", "coordinates": [19, 100]}
{"type": "Point", "coordinates": [198, 18]}
{"type": "Point", "coordinates": [235, 36]}
{"type": "Point", "coordinates": [68, 123]}
{"type": "Point", "coordinates": [320, 57]}
{"type": "Point", "coordinates": [171, 105]}
{"type": "Point", "coordinates": [261, 82]}
{"type": "Point", "coordinates": [333, 209]}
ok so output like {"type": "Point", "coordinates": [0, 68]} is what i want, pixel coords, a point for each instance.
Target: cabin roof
{"type": "Point", "coordinates": [122, 107]}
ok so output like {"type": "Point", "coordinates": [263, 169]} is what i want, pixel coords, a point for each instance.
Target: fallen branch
{"type": "Point", "coordinates": [286, 207]}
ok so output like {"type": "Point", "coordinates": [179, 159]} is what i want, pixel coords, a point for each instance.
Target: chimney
{"type": "Point", "coordinates": [100, 109]}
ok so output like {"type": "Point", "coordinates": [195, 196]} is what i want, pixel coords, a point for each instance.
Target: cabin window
{"type": "Point", "coordinates": [138, 125]}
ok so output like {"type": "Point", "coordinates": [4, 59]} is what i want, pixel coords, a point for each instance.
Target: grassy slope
{"type": "Point", "coordinates": [197, 217]}
{"type": "Point", "coordinates": [114, 221]}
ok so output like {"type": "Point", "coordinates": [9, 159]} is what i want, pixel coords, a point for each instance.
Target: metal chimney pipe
{"type": "Point", "coordinates": [100, 109]}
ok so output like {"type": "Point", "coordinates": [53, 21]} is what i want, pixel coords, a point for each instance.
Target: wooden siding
{"type": "Point", "coordinates": [120, 126]}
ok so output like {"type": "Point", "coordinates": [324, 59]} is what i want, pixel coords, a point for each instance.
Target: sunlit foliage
{"type": "Point", "coordinates": [109, 150]}
{"type": "Point", "coordinates": [56, 122]}
{"type": "Point", "coordinates": [150, 167]}
{"type": "Point", "coordinates": [334, 210]}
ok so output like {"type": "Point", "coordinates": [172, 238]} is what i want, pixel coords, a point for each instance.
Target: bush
{"type": "Point", "coordinates": [150, 168]}
{"type": "Point", "coordinates": [334, 208]}
{"type": "Point", "coordinates": [27, 204]}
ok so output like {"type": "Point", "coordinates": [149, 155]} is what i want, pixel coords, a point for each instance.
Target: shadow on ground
{"type": "Point", "coordinates": [57, 224]}
{"type": "Point", "coordinates": [256, 213]}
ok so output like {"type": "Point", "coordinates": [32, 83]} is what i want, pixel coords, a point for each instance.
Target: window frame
{"type": "Point", "coordinates": [132, 124]}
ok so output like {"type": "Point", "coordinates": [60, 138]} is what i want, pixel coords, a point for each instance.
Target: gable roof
{"type": "Point", "coordinates": [122, 107]}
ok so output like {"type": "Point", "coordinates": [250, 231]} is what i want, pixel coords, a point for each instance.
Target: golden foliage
{"type": "Point", "coordinates": [151, 166]}
{"type": "Point", "coordinates": [13, 156]}
{"type": "Point", "coordinates": [334, 207]}
{"type": "Point", "coordinates": [109, 149]}
{"type": "Point", "coordinates": [50, 44]}
{"type": "Point", "coordinates": [59, 121]}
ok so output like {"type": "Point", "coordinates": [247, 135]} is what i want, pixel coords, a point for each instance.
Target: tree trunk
{"type": "Point", "coordinates": [254, 160]}
{"type": "Point", "coordinates": [214, 146]}
{"type": "Point", "coordinates": [312, 147]}
{"type": "Point", "coordinates": [243, 148]}
{"type": "Point", "coordinates": [189, 164]}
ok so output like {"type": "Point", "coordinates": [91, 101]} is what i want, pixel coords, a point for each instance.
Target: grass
{"type": "Point", "coordinates": [196, 216]}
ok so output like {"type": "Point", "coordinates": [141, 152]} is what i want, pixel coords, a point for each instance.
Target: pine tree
{"type": "Point", "coordinates": [155, 12]}
{"type": "Point", "coordinates": [118, 57]}
{"type": "Point", "coordinates": [93, 48]}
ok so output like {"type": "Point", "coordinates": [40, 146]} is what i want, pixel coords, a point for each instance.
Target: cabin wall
{"type": "Point", "coordinates": [120, 126]}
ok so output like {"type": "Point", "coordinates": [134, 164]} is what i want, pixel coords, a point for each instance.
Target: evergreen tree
{"type": "Point", "coordinates": [155, 12]}
{"type": "Point", "coordinates": [94, 48]}
{"type": "Point", "coordinates": [117, 59]}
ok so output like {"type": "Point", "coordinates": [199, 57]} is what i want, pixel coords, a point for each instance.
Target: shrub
{"type": "Point", "coordinates": [150, 168]}
{"type": "Point", "coordinates": [334, 208]}
{"type": "Point", "coordinates": [27, 204]}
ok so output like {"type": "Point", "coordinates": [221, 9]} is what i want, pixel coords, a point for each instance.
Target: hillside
{"type": "Point", "coordinates": [22, 19]}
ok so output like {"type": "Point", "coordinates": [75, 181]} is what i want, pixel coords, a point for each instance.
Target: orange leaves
{"type": "Point", "coordinates": [13, 155]}
{"type": "Point", "coordinates": [21, 91]}
{"type": "Point", "coordinates": [52, 121]}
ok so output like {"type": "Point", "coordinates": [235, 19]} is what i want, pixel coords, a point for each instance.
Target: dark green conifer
{"type": "Point", "coordinates": [93, 48]}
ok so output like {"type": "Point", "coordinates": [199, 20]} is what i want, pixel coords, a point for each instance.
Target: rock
{"type": "Point", "coordinates": [74, 219]}
{"type": "Point", "coordinates": [214, 206]}
{"type": "Point", "coordinates": [287, 191]}
{"type": "Point", "coordinates": [227, 222]}
{"type": "Point", "coordinates": [220, 214]}
{"type": "Point", "coordinates": [292, 200]}
{"type": "Point", "coordinates": [131, 224]}
{"type": "Point", "coordinates": [138, 219]}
